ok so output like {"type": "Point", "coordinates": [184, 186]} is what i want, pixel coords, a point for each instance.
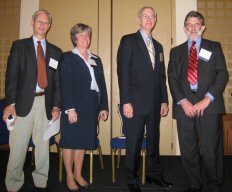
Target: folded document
{"type": "Point", "coordinates": [52, 129]}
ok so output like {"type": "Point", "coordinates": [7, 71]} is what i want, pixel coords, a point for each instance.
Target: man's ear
{"type": "Point", "coordinates": [203, 28]}
{"type": "Point", "coordinates": [138, 20]}
{"type": "Point", "coordinates": [32, 23]}
{"type": "Point", "coordinates": [185, 30]}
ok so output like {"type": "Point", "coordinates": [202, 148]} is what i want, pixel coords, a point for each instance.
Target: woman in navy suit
{"type": "Point", "coordinates": [84, 97]}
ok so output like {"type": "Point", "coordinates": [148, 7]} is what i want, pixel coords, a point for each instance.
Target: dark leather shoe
{"type": "Point", "coordinates": [161, 182]}
{"type": "Point", "coordinates": [39, 189]}
{"type": "Point", "coordinates": [74, 190]}
{"type": "Point", "coordinates": [134, 188]}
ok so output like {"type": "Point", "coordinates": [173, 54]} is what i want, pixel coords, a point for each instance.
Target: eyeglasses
{"type": "Point", "coordinates": [191, 26]}
{"type": "Point", "coordinates": [147, 17]}
{"type": "Point", "coordinates": [42, 22]}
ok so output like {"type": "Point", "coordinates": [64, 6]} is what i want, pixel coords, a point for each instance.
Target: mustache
{"type": "Point", "coordinates": [199, 32]}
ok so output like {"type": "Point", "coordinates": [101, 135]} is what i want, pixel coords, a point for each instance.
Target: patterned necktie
{"type": "Point", "coordinates": [151, 52]}
{"type": "Point", "coordinates": [193, 65]}
{"type": "Point", "coordinates": [42, 72]}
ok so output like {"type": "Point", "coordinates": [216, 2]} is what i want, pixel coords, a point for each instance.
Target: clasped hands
{"type": "Point", "coordinates": [197, 109]}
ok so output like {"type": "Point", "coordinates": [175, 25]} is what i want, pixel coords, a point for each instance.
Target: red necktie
{"type": "Point", "coordinates": [193, 64]}
{"type": "Point", "coordinates": [42, 72]}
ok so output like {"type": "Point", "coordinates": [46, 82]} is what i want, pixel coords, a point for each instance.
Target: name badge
{"type": "Point", "coordinates": [204, 54]}
{"type": "Point", "coordinates": [53, 63]}
{"type": "Point", "coordinates": [92, 63]}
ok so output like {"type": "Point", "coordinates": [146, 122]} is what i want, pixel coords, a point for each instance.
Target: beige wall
{"type": "Point", "coordinates": [28, 7]}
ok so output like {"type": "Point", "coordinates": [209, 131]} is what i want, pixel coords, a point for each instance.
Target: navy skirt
{"type": "Point", "coordinates": [83, 134]}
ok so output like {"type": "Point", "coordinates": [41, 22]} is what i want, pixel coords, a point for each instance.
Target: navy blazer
{"type": "Point", "coordinates": [21, 77]}
{"type": "Point", "coordinates": [212, 77]}
{"type": "Point", "coordinates": [76, 82]}
{"type": "Point", "coordinates": [139, 84]}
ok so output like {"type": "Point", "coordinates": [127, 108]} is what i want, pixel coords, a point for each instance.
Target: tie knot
{"type": "Point", "coordinates": [39, 42]}
{"type": "Point", "coordinates": [194, 42]}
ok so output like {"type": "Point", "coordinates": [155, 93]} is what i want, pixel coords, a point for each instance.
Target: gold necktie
{"type": "Point", "coordinates": [42, 72]}
{"type": "Point", "coordinates": [151, 52]}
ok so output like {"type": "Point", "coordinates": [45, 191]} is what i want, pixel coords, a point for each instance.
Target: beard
{"type": "Point", "coordinates": [194, 34]}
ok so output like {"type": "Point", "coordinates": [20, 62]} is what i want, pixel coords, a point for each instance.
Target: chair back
{"type": "Point", "coordinates": [123, 120]}
{"type": "Point", "coordinates": [4, 133]}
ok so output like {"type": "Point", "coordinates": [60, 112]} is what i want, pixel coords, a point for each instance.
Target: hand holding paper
{"type": "Point", "coordinates": [52, 129]}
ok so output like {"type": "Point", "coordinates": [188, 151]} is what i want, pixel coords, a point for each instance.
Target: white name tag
{"type": "Point", "coordinates": [204, 54]}
{"type": "Point", "coordinates": [53, 63]}
{"type": "Point", "coordinates": [92, 62]}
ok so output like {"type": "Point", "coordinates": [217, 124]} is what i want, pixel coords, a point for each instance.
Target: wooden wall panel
{"type": "Point", "coordinates": [9, 22]}
{"type": "Point", "coordinates": [218, 16]}
{"type": "Point", "coordinates": [227, 122]}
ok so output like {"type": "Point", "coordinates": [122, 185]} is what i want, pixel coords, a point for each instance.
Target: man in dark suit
{"type": "Point", "coordinates": [33, 101]}
{"type": "Point", "coordinates": [143, 94]}
{"type": "Point", "coordinates": [197, 81]}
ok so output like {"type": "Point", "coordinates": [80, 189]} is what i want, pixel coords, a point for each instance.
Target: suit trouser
{"type": "Point", "coordinates": [33, 125]}
{"type": "Point", "coordinates": [201, 140]}
{"type": "Point", "coordinates": [134, 134]}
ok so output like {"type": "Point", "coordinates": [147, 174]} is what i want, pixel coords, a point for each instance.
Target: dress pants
{"type": "Point", "coordinates": [34, 125]}
{"type": "Point", "coordinates": [201, 146]}
{"type": "Point", "coordinates": [134, 134]}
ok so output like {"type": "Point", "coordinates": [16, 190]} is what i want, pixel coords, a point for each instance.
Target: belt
{"type": "Point", "coordinates": [39, 94]}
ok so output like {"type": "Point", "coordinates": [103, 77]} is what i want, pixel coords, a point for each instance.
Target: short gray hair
{"type": "Point", "coordinates": [196, 14]}
{"type": "Point", "coordinates": [79, 28]}
{"type": "Point", "coordinates": [35, 15]}
{"type": "Point", "coordinates": [146, 7]}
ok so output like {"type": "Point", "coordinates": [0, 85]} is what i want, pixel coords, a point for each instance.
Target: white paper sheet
{"type": "Point", "coordinates": [52, 129]}
{"type": "Point", "coordinates": [10, 122]}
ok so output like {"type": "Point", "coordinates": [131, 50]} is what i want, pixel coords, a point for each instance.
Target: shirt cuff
{"type": "Point", "coordinates": [56, 108]}
{"type": "Point", "coordinates": [179, 102]}
{"type": "Point", "coordinates": [66, 112]}
{"type": "Point", "coordinates": [210, 96]}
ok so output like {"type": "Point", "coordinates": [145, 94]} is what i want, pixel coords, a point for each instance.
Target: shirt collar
{"type": "Point", "coordinates": [145, 36]}
{"type": "Point", "coordinates": [198, 41]}
{"type": "Point", "coordinates": [35, 39]}
{"type": "Point", "coordinates": [76, 51]}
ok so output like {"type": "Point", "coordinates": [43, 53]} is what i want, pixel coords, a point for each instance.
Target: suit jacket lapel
{"type": "Point", "coordinates": [157, 59]}
{"type": "Point", "coordinates": [185, 59]}
{"type": "Point", "coordinates": [185, 55]}
{"type": "Point", "coordinates": [96, 71]}
{"type": "Point", "coordinates": [81, 63]}
{"type": "Point", "coordinates": [47, 56]}
{"type": "Point", "coordinates": [201, 63]}
{"type": "Point", "coordinates": [142, 46]}
{"type": "Point", "coordinates": [32, 51]}
{"type": "Point", "coordinates": [184, 62]}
